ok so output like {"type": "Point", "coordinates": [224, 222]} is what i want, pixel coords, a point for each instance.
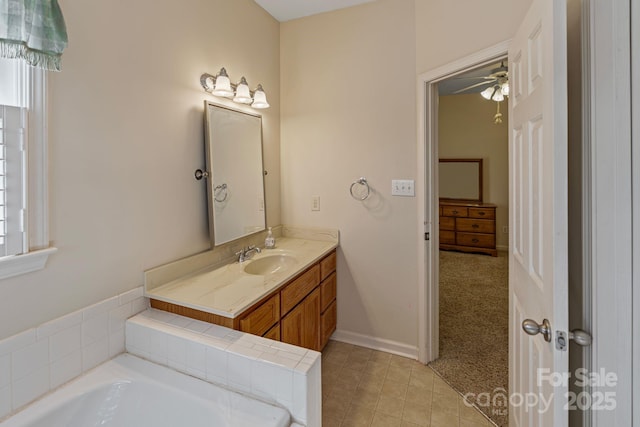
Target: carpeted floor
{"type": "Point", "coordinates": [474, 329]}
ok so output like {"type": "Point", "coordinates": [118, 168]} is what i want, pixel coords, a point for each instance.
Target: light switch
{"type": "Point", "coordinates": [315, 203]}
{"type": "Point", "coordinates": [403, 187]}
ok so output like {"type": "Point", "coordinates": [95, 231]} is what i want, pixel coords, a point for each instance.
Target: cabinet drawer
{"type": "Point", "coordinates": [300, 288]}
{"type": "Point", "coordinates": [447, 223]}
{"type": "Point", "coordinates": [260, 320]}
{"type": "Point", "coordinates": [448, 237]}
{"type": "Point", "coordinates": [328, 291]}
{"type": "Point", "coordinates": [328, 265]}
{"type": "Point", "coordinates": [476, 225]}
{"type": "Point", "coordinates": [273, 333]}
{"type": "Point", "coordinates": [486, 213]}
{"type": "Point", "coordinates": [328, 321]}
{"type": "Point", "coordinates": [457, 211]}
{"type": "Point", "coordinates": [477, 240]}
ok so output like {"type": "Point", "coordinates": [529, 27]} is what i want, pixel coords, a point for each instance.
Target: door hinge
{"type": "Point", "coordinates": [427, 236]}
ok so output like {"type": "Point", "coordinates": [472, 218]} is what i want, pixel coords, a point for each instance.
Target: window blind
{"type": "Point", "coordinates": [12, 179]}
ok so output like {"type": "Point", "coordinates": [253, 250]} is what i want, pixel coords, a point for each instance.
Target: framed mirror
{"type": "Point", "coordinates": [235, 185]}
{"type": "Point", "coordinates": [460, 180]}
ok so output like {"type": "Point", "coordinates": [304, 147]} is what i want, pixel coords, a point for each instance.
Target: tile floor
{"type": "Point", "coordinates": [363, 387]}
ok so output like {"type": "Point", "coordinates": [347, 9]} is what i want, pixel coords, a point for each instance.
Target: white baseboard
{"type": "Point", "coordinates": [374, 343]}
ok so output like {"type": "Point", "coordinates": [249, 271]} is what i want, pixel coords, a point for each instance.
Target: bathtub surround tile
{"type": "Point", "coordinates": [272, 371]}
{"type": "Point", "coordinates": [29, 358]}
{"type": "Point", "coordinates": [58, 325]}
{"type": "Point", "coordinates": [40, 359]}
{"type": "Point", "coordinates": [65, 342]}
{"type": "Point", "coordinates": [217, 370]}
{"type": "Point", "coordinates": [5, 370]}
{"type": "Point", "coordinates": [5, 401]}
{"type": "Point", "coordinates": [30, 387]}
{"type": "Point", "coordinates": [17, 342]}
{"type": "Point", "coordinates": [65, 369]}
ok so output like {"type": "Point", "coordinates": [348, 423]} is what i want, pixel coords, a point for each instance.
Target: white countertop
{"type": "Point", "coordinates": [228, 290]}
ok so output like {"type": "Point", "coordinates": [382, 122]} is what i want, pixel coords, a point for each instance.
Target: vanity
{"type": "Point", "coordinates": [287, 293]}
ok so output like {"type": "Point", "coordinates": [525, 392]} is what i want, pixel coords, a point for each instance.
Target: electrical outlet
{"type": "Point", "coordinates": [260, 204]}
{"type": "Point", "coordinates": [403, 187]}
{"type": "Point", "coordinates": [315, 203]}
{"type": "Point", "coordinates": [505, 229]}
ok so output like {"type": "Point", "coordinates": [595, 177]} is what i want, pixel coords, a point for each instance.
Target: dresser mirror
{"type": "Point", "coordinates": [460, 180]}
{"type": "Point", "coordinates": [235, 185]}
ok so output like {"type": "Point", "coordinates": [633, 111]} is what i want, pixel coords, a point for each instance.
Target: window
{"type": "Point", "coordinates": [24, 240]}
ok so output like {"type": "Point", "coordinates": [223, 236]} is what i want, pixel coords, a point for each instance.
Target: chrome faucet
{"type": "Point", "coordinates": [246, 253]}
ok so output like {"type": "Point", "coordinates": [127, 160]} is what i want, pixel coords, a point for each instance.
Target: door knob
{"type": "Point", "coordinates": [531, 327]}
{"type": "Point", "coordinates": [580, 337]}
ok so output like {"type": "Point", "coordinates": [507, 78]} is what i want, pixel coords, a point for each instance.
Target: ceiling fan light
{"type": "Point", "coordinates": [488, 93]}
{"type": "Point", "coordinates": [498, 96]}
{"type": "Point", "coordinates": [505, 88]}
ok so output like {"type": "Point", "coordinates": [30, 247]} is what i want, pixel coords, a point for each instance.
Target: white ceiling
{"type": "Point", "coordinates": [286, 10]}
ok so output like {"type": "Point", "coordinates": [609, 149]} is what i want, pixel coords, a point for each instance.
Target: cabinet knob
{"type": "Point", "coordinates": [481, 213]}
{"type": "Point", "coordinates": [475, 240]}
{"type": "Point", "coordinates": [455, 212]}
{"type": "Point", "coordinates": [475, 226]}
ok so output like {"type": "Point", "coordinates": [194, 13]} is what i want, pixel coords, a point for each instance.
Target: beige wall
{"type": "Point", "coordinates": [466, 130]}
{"type": "Point", "coordinates": [126, 134]}
{"type": "Point", "coordinates": [447, 30]}
{"type": "Point", "coordinates": [349, 110]}
{"type": "Point", "coordinates": [348, 96]}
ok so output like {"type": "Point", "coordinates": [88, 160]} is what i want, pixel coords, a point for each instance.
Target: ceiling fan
{"type": "Point", "coordinates": [497, 84]}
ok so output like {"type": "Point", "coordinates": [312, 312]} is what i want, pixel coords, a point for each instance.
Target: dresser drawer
{"type": "Point", "coordinates": [300, 288]}
{"type": "Point", "coordinates": [458, 211]}
{"type": "Point", "coordinates": [485, 213]}
{"type": "Point", "coordinates": [448, 237]}
{"type": "Point", "coordinates": [476, 225]}
{"type": "Point", "coordinates": [447, 223]}
{"type": "Point", "coordinates": [476, 240]}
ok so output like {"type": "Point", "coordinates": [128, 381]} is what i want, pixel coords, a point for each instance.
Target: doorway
{"type": "Point", "coordinates": [473, 195]}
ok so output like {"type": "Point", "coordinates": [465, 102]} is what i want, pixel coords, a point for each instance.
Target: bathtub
{"type": "Point", "coordinates": [130, 392]}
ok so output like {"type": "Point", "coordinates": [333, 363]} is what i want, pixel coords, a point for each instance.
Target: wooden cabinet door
{"type": "Point", "coordinates": [292, 326]}
{"type": "Point", "coordinates": [311, 333]}
{"type": "Point", "coordinates": [301, 326]}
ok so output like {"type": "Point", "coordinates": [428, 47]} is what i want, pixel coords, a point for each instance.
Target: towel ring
{"type": "Point", "coordinates": [217, 190]}
{"type": "Point", "coordinates": [360, 181]}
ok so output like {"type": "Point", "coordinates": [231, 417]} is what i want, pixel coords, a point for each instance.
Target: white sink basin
{"type": "Point", "coordinates": [270, 264]}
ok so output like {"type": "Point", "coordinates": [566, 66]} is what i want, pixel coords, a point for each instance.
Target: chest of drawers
{"type": "Point", "coordinates": [468, 227]}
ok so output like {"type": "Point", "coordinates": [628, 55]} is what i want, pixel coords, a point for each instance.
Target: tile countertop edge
{"type": "Point", "coordinates": [291, 233]}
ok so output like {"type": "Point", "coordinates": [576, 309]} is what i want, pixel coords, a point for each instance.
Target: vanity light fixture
{"type": "Point", "coordinates": [220, 85]}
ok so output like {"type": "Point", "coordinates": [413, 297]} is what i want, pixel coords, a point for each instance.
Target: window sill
{"type": "Point", "coordinates": [26, 263]}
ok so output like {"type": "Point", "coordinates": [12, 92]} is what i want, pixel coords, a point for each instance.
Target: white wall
{"type": "Point", "coordinates": [126, 134]}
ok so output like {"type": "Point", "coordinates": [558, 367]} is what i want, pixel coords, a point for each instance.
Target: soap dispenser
{"type": "Point", "coordinates": [270, 241]}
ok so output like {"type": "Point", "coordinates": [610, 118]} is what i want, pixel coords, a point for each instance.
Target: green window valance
{"type": "Point", "coordinates": [33, 30]}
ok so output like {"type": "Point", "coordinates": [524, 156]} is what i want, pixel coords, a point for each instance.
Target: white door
{"type": "Point", "coordinates": [538, 215]}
